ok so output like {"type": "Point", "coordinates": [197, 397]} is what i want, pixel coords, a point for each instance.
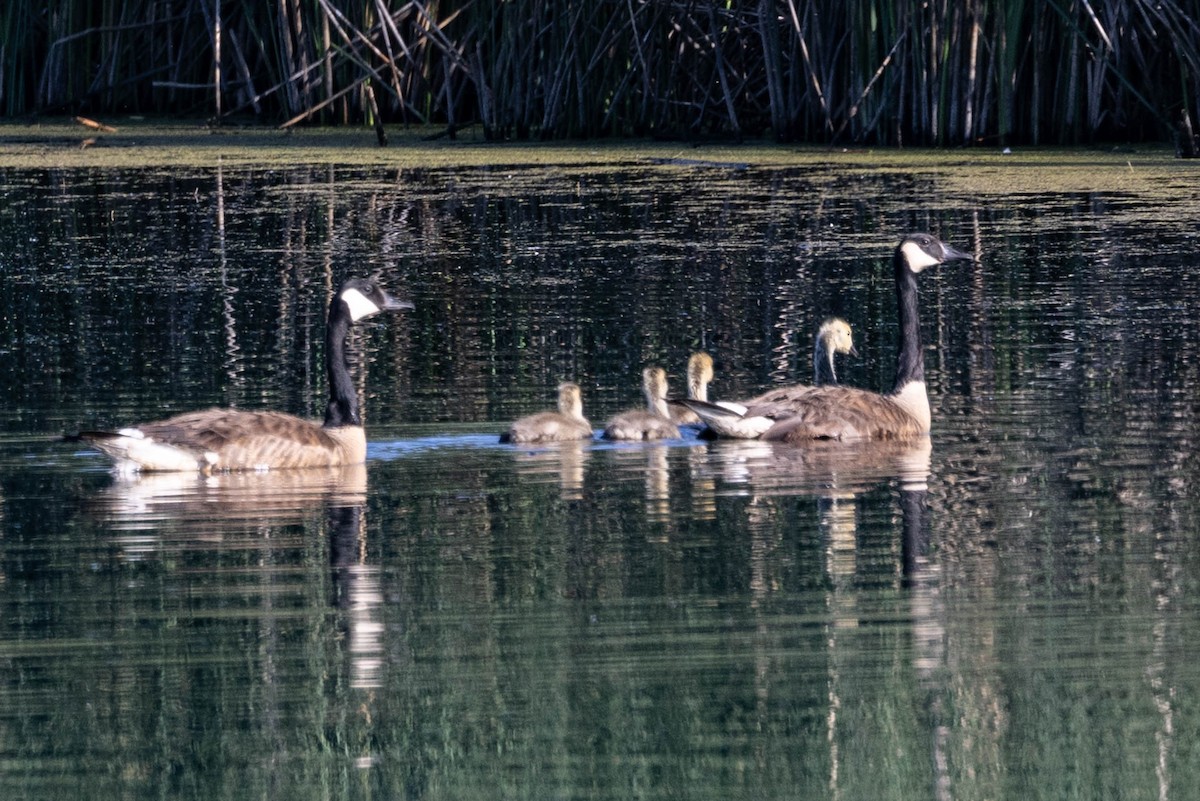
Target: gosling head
{"type": "Point", "coordinates": [833, 337]}
{"type": "Point", "coordinates": [920, 251]}
{"type": "Point", "coordinates": [654, 382]}
{"type": "Point", "coordinates": [570, 399]}
{"type": "Point", "coordinates": [700, 370]}
{"type": "Point", "coordinates": [700, 367]}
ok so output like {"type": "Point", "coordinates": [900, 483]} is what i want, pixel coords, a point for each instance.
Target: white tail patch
{"type": "Point", "coordinates": [916, 257]}
{"type": "Point", "coordinates": [134, 451]}
{"type": "Point", "coordinates": [728, 419]}
{"type": "Point", "coordinates": [913, 399]}
{"type": "Point", "coordinates": [741, 427]}
{"type": "Point", "coordinates": [359, 304]}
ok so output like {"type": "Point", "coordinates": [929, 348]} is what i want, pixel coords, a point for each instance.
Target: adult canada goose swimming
{"type": "Point", "coordinates": [833, 337]}
{"type": "Point", "coordinates": [835, 412]}
{"type": "Point", "coordinates": [699, 374]}
{"type": "Point", "coordinates": [568, 423]}
{"type": "Point", "coordinates": [216, 440]}
{"type": "Point", "coordinates": [652, 422]}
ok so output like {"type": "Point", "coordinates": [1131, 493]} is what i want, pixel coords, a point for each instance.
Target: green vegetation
{"type": "Point", "coordinates": [938, 73]}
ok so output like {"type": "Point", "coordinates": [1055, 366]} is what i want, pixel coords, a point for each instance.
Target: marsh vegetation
{"type": "Point", "coordinates": [848, 71]}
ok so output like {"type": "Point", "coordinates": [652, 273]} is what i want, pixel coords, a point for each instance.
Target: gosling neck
{"type": "Point", "coordinates": [824, 369]}
{"type": "Point", "coordinates": [656, 400]}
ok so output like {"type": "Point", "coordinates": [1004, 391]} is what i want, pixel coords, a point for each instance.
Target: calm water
{"type": "Point", "coordinates": [1010, 611]}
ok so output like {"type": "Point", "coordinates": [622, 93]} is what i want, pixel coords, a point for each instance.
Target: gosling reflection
{"type": "Point", "coordinates": [838, 523]}
{"type": "Point", "coordinates": [563, 462]}
{"type": "Point", "coordinates": [651, 461]}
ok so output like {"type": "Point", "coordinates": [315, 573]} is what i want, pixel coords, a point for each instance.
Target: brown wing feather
{"type": "Point", "coordinates": [783, 397]}
{"type": "Point", "coordinates": [844, 413]}
{"type": "Point", "coordinates": [245, 440]}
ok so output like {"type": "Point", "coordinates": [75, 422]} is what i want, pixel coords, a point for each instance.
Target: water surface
{"type": "Point", "coordinates": [1008, 610]}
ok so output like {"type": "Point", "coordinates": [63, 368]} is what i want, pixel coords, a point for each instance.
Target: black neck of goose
{"type": "Point", "coordinates": [910, 363]}
{"type": "Point", "coordinates": [343, 399]}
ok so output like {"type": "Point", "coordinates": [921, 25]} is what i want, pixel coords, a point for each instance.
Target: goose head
{"type": "Point", "coordinates": [919, 251]}
{"type": "Point", "coordinates": [833, 337]}
{"type": "Point", "coordinates": [356, 300]}
{"type": "Point", "coordinates": [363, 297]}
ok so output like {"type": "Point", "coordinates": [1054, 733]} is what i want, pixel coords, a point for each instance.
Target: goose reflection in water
{"type": "Point", "coordinates": [769, 468]}
{"type": "Point", "coordinates": [154, 515]}
{"type": "Point", "coordinates": [357, 591]}
{"type": "Point", "coordinates": [836, 477]}
{"type": "Point", "coordinates": [211, 505]}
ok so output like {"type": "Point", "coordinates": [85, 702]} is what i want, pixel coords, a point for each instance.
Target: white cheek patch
{"type": "Point", "coordinates": [917, 258]}
{"type": "Point", "coordinates": [360, 306]}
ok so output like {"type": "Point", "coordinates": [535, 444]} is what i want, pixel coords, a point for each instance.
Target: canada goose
{"type": "Point", "coordinates": [217, 440]}
{"type": "Point", "coordinates": [652, 422]}
{"type": "Point", "coordinates": [699, 374]}
{"type": "Point", "coordinates": [835, 412]}
{"type": "Point", "coordinates": [833, 337]}
{"type": "Point", "coordinates": [568, 423]}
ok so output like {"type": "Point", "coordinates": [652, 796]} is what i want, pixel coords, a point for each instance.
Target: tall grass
{"type": "Point", "coordinates": [941, 72]}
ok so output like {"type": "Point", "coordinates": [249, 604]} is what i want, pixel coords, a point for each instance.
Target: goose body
{"type": "Point", "coordinates": [699, 374]}
{"type": "Point", "coordinates": [654, 421]}
{"type": "Point", "coordinates": [216, 440]}
{"type": "Point", "coordinates": [568, 423]}
{"type": "Point", "coordinates": [845, 413]}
